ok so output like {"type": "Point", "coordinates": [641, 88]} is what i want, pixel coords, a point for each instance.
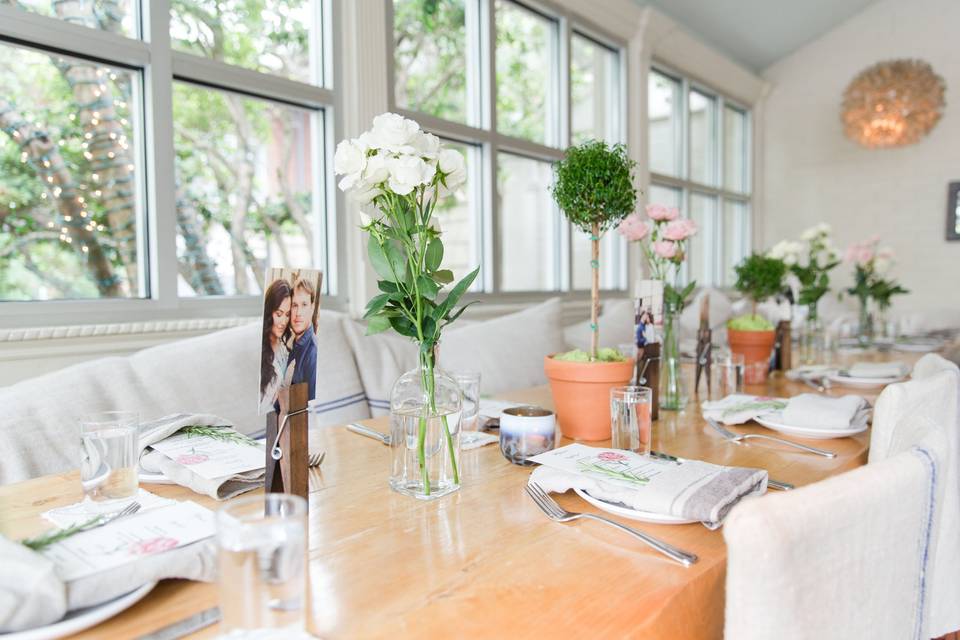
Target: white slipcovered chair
{"type": "Point", "coordinates": [848, 557]}
{"type": "Point", "coordinates": [932, 395]}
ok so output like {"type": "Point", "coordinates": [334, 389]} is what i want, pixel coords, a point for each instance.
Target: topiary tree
{"type": "Point", "coordinates": [593, 186]}
{"type": "Point", "coordinates": [760, 277]}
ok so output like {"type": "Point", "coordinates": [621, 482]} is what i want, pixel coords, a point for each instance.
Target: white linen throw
{"type": "Point", "coordinates": [812, 411]}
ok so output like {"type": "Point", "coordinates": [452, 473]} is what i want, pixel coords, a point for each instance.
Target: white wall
{"type": "Point", "coordinates": [812, 172]}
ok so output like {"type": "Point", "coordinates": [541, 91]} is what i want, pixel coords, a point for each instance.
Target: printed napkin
{"type": "Point", "coordinates": [690, 489]}
{"type": "Point", "coordinates": [185, 469]}
{"type": "Point", "coordinates": [738, 408]}
{"type": "Point", "coordinates": [812, 411]}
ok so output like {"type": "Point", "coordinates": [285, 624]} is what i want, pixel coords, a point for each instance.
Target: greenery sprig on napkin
{"type": "Point", "coordinates": [56, 535]}
{"type": "Point", "coordinates": [218, 432]}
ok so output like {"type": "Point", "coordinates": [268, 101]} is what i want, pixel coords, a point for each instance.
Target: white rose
{"type": "Point", "coordinates": [427, 145]}
{"type": "Point", "coordinates": [407, 173]}
{"type": "Point", "coordinates": [376, 170]}
{"type": "Point", "coordinates": [349, 160]}
{"type": "Point", "coordinates": [824, 229]}
{"type": "Point", "coordinates": [809, 234]}
{"type": "Point", "coordinates": [451, 163]}
{"type": "Point", "coordinates": [364, 194]}
{"type": "Point", "coordinates": [365, 218]}
{"type": "Point", "coordinates": [394, 133]}
{"type": "Point", "coordinates": [778, 250]}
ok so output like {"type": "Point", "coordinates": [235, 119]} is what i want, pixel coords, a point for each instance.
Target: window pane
{"type": "Point", "coordinates": [69, 206]}
{"type": "Point", "coordinates": [703, 137]}
{"type": "Point", "coordinates": [529, 225]}
{"type": "Point", "coordinates": [594, 92]}
{"type": "Point", "coordinates": [736, 237]}
{"type": "Point", "coordinates": [458, 219]}
{"type": "Point", "coordinates": [663, 107]}
{"type": "Point", "coordinates": [274, 37]}
{"type": "Point", "coordinates": [118, 16]}
{"type": "Point", "coordinates": [669, 196]}
{"type": "Point", "coordinates": [703, 209]}
{"type": "Point", "coordinates": [430, 57]}
{"type": "Point", "coordinates": [526, 87]}
{"type": "Point", "coordinates": [735, 150]}
{"type": "Point", "coordinates": [613, 251]}
{"type": "Point", "coordinates": [245, 179]}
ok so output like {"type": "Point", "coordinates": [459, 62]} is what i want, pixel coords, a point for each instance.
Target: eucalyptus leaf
{"type": "Point", "coordinates": [377, 324]}
{"type": "Point", "coordinates": [428, 288]}
{"type": "Point", "coordinates": [443, 276]}
{"type": "Point", "coordinates": [404, 327]}
{"type": "Point", "coordinates": [456, 293]}
{"type": "Point", "coordinates": [376, 304]}
{"type": "Point", "coordinates": [434, 254]}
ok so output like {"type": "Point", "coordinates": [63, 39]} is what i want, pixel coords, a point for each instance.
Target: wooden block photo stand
{"type": "Point", "coordinates": [289, 474]}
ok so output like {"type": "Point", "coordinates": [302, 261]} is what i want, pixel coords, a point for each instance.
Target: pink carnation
{"type": "Point", "coordinates": [662, 212]}
{"type": "Point", "coordinates": [665, 249]}
{"type": "Point", "coordinates": [680, 229]}
{"type": "Point", "coordinates": [633, 228]}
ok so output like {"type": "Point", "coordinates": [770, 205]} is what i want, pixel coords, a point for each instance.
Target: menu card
{"type": "Point", "coordinates": [623, 468]}
{"type": "Point", "coordinates": [129, 539]}
{"type": "Point", "coordinates": [212, 458]}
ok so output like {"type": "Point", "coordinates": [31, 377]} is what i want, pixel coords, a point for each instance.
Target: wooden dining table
{"type": "Point", "coordinates": [485, 561]}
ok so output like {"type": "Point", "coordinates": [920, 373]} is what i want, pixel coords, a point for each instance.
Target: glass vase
{"type": "Point", "coordinates": [865, 325]}
{"type": "Point", "coordinates": [425, 415]}
{"type": "Point", "coordinates": [811, 339]}
{"type": "Point", "coordinates": [672, 393]}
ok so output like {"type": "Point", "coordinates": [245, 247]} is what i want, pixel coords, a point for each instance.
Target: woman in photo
{"type": "Point", "coordinates": [275, 348]}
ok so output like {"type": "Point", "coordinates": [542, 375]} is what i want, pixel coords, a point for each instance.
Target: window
{"type": "Point", "coordinates": [506, 110]}
{"type": "Point", "coordinates": [235, 109]}
{"type": "Point", "coordinates": [699, 149]}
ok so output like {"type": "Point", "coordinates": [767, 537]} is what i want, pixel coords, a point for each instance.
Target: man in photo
{"type": "Point", "coordinates": [302, 322]}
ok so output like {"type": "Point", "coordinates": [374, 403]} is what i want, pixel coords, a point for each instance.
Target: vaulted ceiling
{"type": "Point", "coordinates": [757, 33]}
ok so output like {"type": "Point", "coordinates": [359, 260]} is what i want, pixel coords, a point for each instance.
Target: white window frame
{"type": "Point", "coordinates": [719, 192]}
{"type": "Point", "coordinates": [491, 142]}
{"type": "Point", "coordinates": [160, 65]}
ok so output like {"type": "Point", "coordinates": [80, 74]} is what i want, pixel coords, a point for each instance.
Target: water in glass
{"type": "Point", "coordinates": [262, 551]}
{"type": "Point", "coordinates": [108, 456]}
{"type": "Point", "coordinates": [630, 420]}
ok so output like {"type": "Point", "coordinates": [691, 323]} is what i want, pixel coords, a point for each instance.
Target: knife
{"type": "Point", "coordinates": [773, 484]}
{"type": "Point", "coordinates": [185, 627]}
{"type": "Point", "coordinates": [369, 432]}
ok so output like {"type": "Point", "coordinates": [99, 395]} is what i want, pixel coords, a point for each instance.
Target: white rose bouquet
{"type": "Point", "coordinates": [810, 261]}
{"type": "Point", "coordinates": [400, 173]}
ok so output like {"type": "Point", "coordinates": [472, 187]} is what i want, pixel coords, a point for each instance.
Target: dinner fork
{"type": "Point", "coordinates": [46, 539]}
{"type": "Point", "coordinates": [316, 459]}
{"type": "Point", "coordinates": [737, 438]}
{"type": "Point", "coordinates": [556, 513]}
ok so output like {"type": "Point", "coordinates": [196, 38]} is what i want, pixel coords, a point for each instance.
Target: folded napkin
{"type": "Point", "coordinates": [813, 411]}
{"type": "Point", "coordinates": [32, 595]}
{"type": "Point", "coordinates": [156, 462]}
{"type": "Point", "coordinates": [738, 408]}
{"type": "Point", "coordinates": [811, 371]}
{"type": "Point", "coordinates": [878, 370]}
{"type": "Point", "coordinates": [692, 490]}
{"type": "Point", "coordinates": [476, 439]}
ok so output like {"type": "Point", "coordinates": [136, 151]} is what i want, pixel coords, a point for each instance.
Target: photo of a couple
{"type": "Point", "coordinates": [288, 351]}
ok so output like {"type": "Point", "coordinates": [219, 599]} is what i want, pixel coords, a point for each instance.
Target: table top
{"type": "Point", "coordinates": [484, 561]}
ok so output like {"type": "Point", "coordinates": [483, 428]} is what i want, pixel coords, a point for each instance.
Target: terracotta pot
{"type": "Point", "coordinates": [756, 347]}
{"type": "Point", "coordinates": [581, 395]}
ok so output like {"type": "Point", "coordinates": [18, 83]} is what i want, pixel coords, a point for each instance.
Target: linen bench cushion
{"type": "Point", "coordinates": [507, 351]}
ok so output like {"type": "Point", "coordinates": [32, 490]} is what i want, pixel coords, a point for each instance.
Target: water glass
{"type": "Point", "coordinates": [469, 383]}
{"type": "Point", "coordinates": [726, 375]}
{"type": "Point", "coordinates": [109, 455]}
{"type": "Point", "coordinates": [262, 553]}
{"type": "Point", "coordinates": [630, 422]}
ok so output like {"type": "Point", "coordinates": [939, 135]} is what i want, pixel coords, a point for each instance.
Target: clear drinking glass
{"type": "Point", "coordinates": [726, 375]}
{"type": "Point", "coordinates": [108, 455]}
{"type": "Point", "coordinates": [630, 418]}
{"type": "Point", "coordinates": [262, 554]}
{"type": "Point", "coordinates": [469, 382]}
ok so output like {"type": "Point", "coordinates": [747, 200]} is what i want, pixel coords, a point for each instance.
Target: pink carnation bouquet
{"type": "Point", "coordinates": [663, 237]}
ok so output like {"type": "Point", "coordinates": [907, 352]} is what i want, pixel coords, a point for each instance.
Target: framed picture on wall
{"type": "Point", "coordinates": [953, 211]}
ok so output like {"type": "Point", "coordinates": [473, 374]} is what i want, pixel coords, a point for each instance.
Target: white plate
{"type": "Point", "coordinates": [775, 421]}
{"type": "Point", "coordinates": [918, 346]}
{"type": "Point", "coordinates": [633, 514]}
{"type": "Point", "coordinates": [153, 478]}
{"type": "Point", "coordinates": [866, 383]}
{"type": "Point", "coordinates": [80, 619]}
